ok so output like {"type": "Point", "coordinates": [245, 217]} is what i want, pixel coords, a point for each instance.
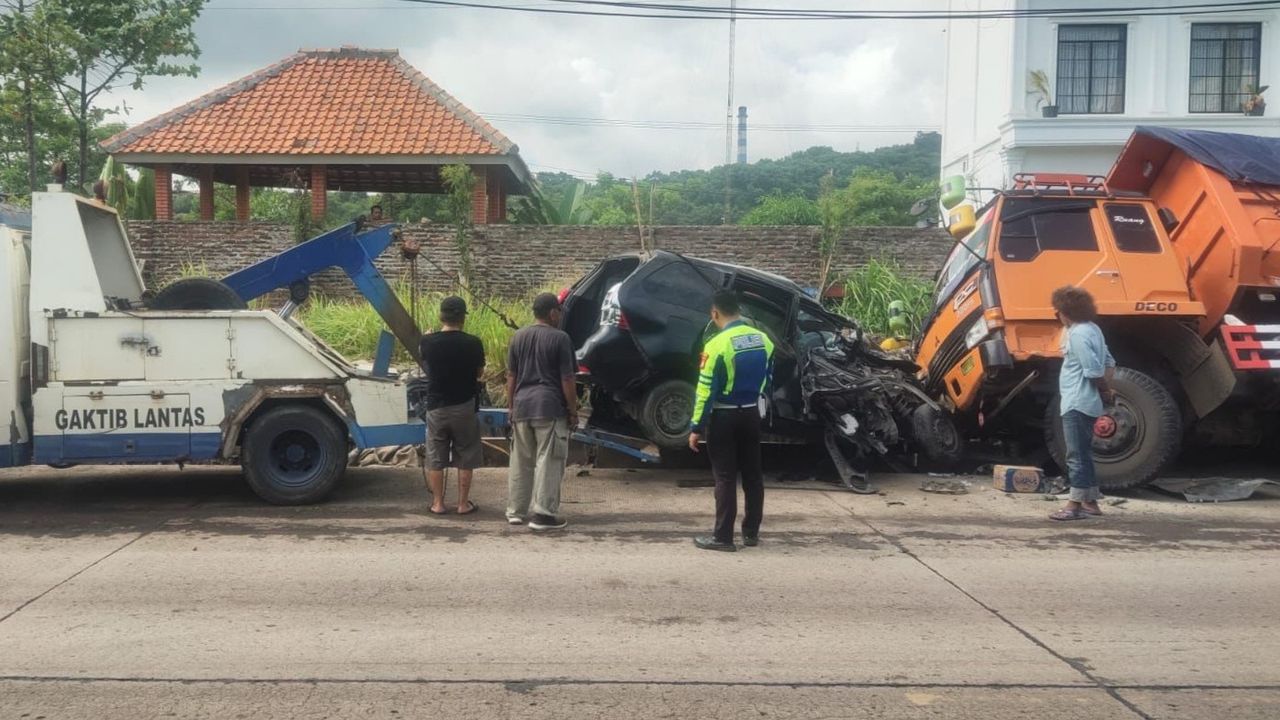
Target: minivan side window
{"type": "Point", "coordinates": [764, 315]}
{"type": "Point", "coordinates": [679, 284]}
{"type": "Point", "coordinates": [1132, 229]}
{"type": "Point", "coordinates": [1029, 227]}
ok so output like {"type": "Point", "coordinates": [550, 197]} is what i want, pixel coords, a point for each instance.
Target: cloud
{"type": "Point", "coordinates": [787, 73]}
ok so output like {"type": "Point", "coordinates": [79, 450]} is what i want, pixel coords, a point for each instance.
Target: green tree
{"type": "Point", "coordinates": [696, 197]}
{"type": "Point", "coordinates": [783, 210]}
{"type": "Point", "coordinates": [17, 44]}
{"type": "Point", "coordinates": [460, 182]}
{"type": "Point", "coordinates": [538, 208]}
{"type": "Point", "coordinates": [89, 47]}
{"type": "Point", "coordinates": [877, 197]}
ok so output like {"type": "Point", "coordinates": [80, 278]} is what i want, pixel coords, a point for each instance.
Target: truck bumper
{"type": "Point", "coordinates": [1251, 347]}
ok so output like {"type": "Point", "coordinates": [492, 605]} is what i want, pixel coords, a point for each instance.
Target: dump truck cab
{"type": "Point", "coordinates": [992, 307]}
{"type": "Point", "coordinates": [1176, 245]}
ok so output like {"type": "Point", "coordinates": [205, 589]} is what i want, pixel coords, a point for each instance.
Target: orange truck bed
{"type": "Point", "coordinates": [1219, 198]}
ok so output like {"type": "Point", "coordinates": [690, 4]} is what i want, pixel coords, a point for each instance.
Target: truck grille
{"type": "Point", "coordinates": [952, 349]}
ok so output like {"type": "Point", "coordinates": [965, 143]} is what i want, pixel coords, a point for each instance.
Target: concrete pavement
{"type": "Point", "coordinates": [140, 592]}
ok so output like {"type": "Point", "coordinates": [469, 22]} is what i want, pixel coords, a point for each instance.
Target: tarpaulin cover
{"type": "Point", "coordinates": [1242, 158]}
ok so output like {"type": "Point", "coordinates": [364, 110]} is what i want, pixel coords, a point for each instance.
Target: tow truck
{"type": "Point", "coordinates": [99, 370]}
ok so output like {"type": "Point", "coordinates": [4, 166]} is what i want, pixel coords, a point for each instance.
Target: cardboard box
{"type": "Point", "coordinates": [1019, 479]}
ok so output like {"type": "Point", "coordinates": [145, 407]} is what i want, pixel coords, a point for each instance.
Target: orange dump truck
{"type": "Point", "coordinates": [1180, 247]}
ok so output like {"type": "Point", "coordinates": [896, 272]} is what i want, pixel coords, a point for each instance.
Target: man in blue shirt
{"type": "Point", "coordinates": [1087, 365]}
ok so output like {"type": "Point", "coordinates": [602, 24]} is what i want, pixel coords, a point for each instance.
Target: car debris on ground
{"type": "Point", "coordinates": [1213, 490]}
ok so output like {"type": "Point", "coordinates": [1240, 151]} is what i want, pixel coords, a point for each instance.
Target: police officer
{"type": "Point", "coordinates": [736, 365]}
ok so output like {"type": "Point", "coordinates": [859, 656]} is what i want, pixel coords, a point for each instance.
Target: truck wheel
{"type": "Point", "coordinates": [197, 293]}
{"type": "Point", "coordinates": [664, 414]}
{"type": "Point", "coordinates": [936, 437]}
{"type": "Point", "coordinates": [294, 455]}
{"type": "Point", "coordinates": [1134, 440]}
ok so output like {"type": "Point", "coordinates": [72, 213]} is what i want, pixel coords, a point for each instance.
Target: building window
{"type": "Point", "coordinates": [1224, 65]}
{"type": "Point", "coordinates": [1091, 68]}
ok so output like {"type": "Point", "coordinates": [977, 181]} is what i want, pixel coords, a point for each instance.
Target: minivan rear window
{"type": "Point", "coordinates": [680, 284]}
{"type": "Point", "coordinates": [1032, 226]}
{"type": "Point", "coordinates": [1131, 226]}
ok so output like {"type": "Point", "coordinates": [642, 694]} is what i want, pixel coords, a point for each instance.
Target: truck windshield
{"type": "Point", "coordinates": [961, 261]}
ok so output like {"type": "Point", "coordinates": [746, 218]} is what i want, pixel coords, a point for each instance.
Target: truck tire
{"type": "Point", "coordinates": [294, 455]}
{"type": "Point", "coordinates": [936, 437]}
{"type": "Point", "coordinates": [1134, 440]}
{"type": "Point", "coordinates": [664, 413]}
{"type": "Point", "coordinates": [197, 293]}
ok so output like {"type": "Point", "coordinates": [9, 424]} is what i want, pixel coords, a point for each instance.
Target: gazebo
{"type": "Point", "coordinates": [346, 119]}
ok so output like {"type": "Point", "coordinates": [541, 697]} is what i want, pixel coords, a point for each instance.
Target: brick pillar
{"type": "Point", "coordinates": [164, 192]}
{"type": "Point", "coordinates": [319, 192]}
{"type": "Point", "coordinates": [497, 199]}
{"type": "Point", "coordinates": [206, 193]}
{"type": "Point", "coordinates": [480, 197]}
{"type": "Point", "coordinates": [242, 194]}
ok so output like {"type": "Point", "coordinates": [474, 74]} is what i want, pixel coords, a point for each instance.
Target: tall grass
{"type": "Point", "coordinates": [352, 328]}
{"type": "Point", "coordinates": [869, 289]}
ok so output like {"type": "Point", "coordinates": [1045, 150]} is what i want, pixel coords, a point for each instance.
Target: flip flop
{"type": "Point", "coordinates": [1091, 513]}
{"type": "Point", "coordinates": [438, 512]}
{"type": "Point", "coordinates": [1065, 515]}
{"type": "Point", "coordinates": [471, 509]}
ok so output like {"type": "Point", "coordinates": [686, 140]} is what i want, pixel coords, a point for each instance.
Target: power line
{"type": "Point", "coordinates": [522, 118]}
{"type": "Point", "coordinates": [617, 8]}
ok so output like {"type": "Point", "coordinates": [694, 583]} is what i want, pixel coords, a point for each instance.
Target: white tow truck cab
{"type": "Point", "coordinates": [98, 371]}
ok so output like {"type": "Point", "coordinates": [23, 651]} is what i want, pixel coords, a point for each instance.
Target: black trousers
{"type": "Point", "coordinates": [733, 442]}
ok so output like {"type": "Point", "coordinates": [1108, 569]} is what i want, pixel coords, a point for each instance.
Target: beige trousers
{"type": "Point", "coordinates": [539, 449]}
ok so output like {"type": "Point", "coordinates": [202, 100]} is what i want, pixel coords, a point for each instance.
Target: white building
{"type": "Point", "coordinates": [1106, 75]}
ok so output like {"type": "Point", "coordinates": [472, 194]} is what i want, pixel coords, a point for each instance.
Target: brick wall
{"type": "Point", "coordinates": [163, 248]}
{"type": "Point", "coordinates": [511, 260]}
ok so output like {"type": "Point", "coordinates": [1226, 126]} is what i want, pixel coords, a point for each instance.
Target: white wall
{"type": "Point", "coordinates": [1007, 133]}
{"type": "Point", "coordinates": [977, 84]}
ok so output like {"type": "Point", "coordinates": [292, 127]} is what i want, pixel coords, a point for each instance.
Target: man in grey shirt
{"type": "Point", "coordinates": [543, 403]}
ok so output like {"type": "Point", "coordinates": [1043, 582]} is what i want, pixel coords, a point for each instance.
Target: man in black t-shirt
{"type": "Point", "coordinates": [453, 362]}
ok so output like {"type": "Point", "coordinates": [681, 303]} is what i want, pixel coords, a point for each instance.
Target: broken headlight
{"type": "Point", "coordinates": [976, 333]}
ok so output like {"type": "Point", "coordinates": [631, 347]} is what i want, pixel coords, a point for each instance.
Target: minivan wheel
{"type": "Point", "coordinates": [665, 412]}
{"type": "Point", "coordinates": [936, 437]}
{"type": "Point", "coordinates": [1134, 440]}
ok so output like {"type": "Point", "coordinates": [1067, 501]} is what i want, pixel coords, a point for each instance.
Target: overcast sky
{"type": "Point", "coordinates": [880, 74]}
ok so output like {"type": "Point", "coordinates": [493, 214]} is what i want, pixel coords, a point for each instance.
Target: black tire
{"type": "Point", "coordinates": [1144, 434]}
{"type": "Point", "coordinates": [664, 413]}
{"type": "Point", "coordinates": [197, 294]}
{"type": "Point", "coordinates": [294, 455]}
{"type": "Point", "coordinates": [936, 437]}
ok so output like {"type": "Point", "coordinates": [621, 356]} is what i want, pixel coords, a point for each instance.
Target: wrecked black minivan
{"type": "Point", "coordinates": [638, 323]}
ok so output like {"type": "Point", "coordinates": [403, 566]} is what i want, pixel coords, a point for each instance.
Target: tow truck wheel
{"type": "Point", "coordinates": [1134, 440]}
{"type": "Point", "coordinates": [197, 293]}
{"type": "Point", "coordinates": [294, 455]}
{"type": "Point", "coordinates": [664, 414]}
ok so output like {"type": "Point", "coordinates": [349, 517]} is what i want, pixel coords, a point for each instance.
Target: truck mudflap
{"type": "Point", "coordinates": [1251, 347]}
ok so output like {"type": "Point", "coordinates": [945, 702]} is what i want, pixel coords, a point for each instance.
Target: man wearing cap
{"type": "Point", "coordinates": [543, 402]}
{"type": "Point", "coordinates": [453, 362]}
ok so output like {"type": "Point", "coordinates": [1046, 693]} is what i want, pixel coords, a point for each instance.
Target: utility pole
{"type": "Point", "coordinates": [728, 116]}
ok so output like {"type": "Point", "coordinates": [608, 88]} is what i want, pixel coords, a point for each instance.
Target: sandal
{"type": "Point", "coordinates": [471, 508]}
{"type": "Point", "coordinates": [1091, 513]}
{"type": "Point", "coordinates": [1064, 514]}
{"type": "Point", "coordinates": [438, 512]}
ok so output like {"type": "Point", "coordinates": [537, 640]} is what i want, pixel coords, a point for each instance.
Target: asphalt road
{"type": "Point", "coordinates": [147, 593]}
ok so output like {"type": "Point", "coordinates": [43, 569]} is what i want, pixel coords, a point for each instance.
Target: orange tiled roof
{"type": "Point", "coordinates": [321, 102]}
